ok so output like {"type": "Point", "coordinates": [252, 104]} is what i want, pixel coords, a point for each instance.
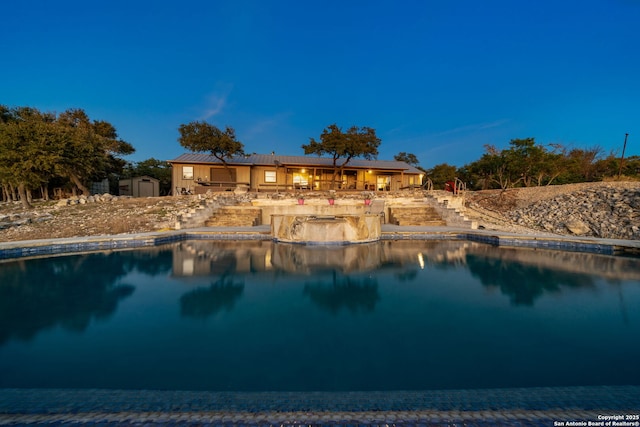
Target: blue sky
{"type": "Point", "coordinates": [439, 79]}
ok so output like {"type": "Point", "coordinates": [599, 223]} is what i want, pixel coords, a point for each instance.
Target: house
{"type": "Point", "coordinates": [198, 173]}
{"type": "Point", "coordinates": [139, 186]}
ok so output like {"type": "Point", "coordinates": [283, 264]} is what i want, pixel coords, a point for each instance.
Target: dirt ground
{"type": "Point", "coordinates": [125, 215]}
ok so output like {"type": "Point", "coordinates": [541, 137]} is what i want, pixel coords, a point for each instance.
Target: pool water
{"type": "Point", "coordinates": [262, 316]}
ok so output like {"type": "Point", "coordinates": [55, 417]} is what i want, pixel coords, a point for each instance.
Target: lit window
{"type": "Point", "coordinates": [300, 180]}
{"type": "Point", "coordinates": [269, 176]}
{"type": "Point", "coordinates": [187, 172]}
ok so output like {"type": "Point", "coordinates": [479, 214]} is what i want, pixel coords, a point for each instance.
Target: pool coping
{"type": "Point", "coordinates": [47, 247]}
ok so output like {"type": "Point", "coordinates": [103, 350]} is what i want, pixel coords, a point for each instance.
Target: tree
{"type": "Point", "coordinates": [37, 147]}
{"type": "Point", "coordinates": [485, 169]}
{"type": "Point", "coordinates": [582, 164]}
{"type": "Point", "coordinates": [355, 142]}
{"type": "Point", "coordinates": [526, 159]}
{"type": "Point", "coordinates": [551, 165]}
{"type": "Point", "coordinates": [27, 154]}
{"type": "Point", "coordinates": [204, 137]}
{"type": "Point", "coordinates": [440, 174]}
{"type": "Point", "coordinates": [631, 166]}
{"type": "Point", "coordinates": [610, 167]}
{"type": "Point", "coordinates": [409, 158]}
{"type": "Point", "coordinates": [90, 150]}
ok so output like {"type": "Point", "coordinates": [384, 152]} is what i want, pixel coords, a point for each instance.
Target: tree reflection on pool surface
{"type": "Point", "coordinates": [262, 316]}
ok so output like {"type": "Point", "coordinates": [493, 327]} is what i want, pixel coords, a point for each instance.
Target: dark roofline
{"type": "Point", "coordinates": [297, 161]}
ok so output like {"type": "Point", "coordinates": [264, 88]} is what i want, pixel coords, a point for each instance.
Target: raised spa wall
{"type": "Point", "coordinates": [318, 207]}
{"type": "Point", "coordinates": [333, 229]}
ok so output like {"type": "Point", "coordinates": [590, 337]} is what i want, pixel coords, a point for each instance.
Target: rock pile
{"type": "Point", "coordinates": [15, 220]}
{"type": "Point", "coordinates": [96, 198]}
{"type": "Point", "coordinates": [605, 212]}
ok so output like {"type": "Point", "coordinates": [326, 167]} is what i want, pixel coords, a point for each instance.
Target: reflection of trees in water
{"type": "Point", "coordinates": [204, 302]}
{"type": "Point", "coordinates": [523, 283]}
{"type": "Point", "coordinates": [151, 262]}
{"type": "Point", "coordinates": [304, 259]}
{"type": "Point", "coordinates": [407, 276]}
{"type": "Point", "coordinates": [67, 291]}
{"type": "Point", "coordinates": [352, 294]}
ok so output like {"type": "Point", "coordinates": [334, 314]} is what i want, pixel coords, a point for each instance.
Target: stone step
{"type": "Point", "coordinates": [231, 222]}
{"type": "Point", "coordinates": [430, 223]}
{"type": "Point", "coordinates": [231, 216]}
{"type": "Point", "coordinates": [415, 215]}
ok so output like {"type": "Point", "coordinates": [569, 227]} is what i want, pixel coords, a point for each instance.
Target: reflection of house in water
{"type": "Point", "coordinates": [304, 259]}
{"type": "Point", "coordinates": [205, 258]}
{"type": "Point", "coordinates": [202, 258]}
{"type": "Point", "coordinates": [522, 274]}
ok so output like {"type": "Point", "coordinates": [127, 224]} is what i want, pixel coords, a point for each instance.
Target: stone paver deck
{"type": "Point", "coordinates": [507, 407]}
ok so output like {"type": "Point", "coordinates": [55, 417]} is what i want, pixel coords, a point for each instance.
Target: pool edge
{"type": "Point", "coordinates": [47, 247]}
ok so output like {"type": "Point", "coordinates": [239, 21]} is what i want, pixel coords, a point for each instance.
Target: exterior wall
{"type": "Point", "coordinates": [189, 184]}
{"type": "Point", "coordinates": [201, 173]}
{"type": "Point", "coordinates": [319, 178]}
{"type": "Point", "coordinates": [259, 182]}
{"type": "Point", "coordinates": [243, 174]}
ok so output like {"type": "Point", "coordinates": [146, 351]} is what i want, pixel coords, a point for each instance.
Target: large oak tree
{"type": "Point", "coordinates": [200, 136]}
{"type": "Point", "coordinates": [90, 150]}
{"type": "Point", "coordinates": [37, 147]}
{"type": "Point", "coordinates": [344, 146]}
{"type": "Point", "coordinates": [28, 141]}
{"type": "Point", "coordinates": [409, 158]}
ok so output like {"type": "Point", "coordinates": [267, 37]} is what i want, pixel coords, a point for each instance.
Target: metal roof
{"type": "Point", "coordinates": [271, 159]}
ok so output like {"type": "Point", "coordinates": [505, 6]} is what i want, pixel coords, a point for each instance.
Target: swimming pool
{"type": "Point", "coordinates": [268, 317]}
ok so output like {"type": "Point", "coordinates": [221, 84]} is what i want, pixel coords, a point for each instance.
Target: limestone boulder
{"type": "Point", "coordinates": [577, 227]}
